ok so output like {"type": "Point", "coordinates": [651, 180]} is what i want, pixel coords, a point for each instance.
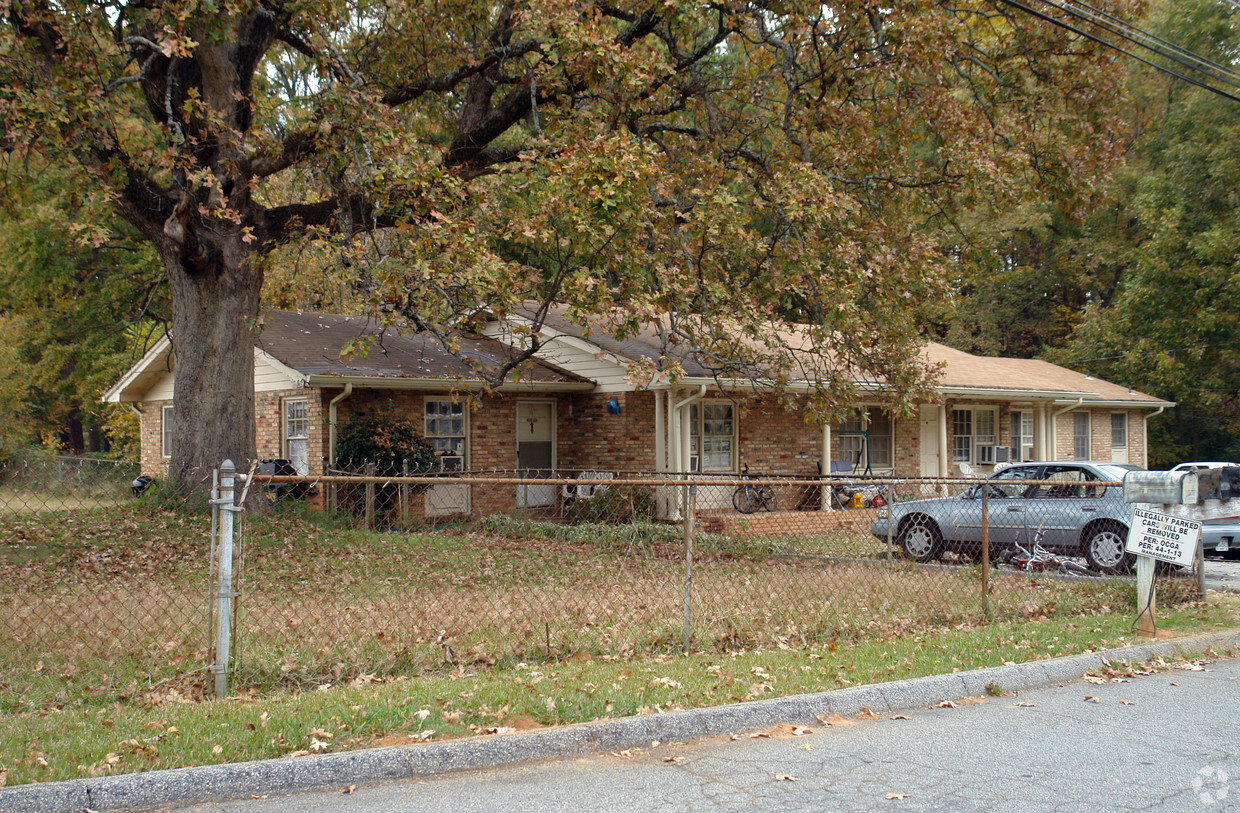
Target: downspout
{"type": "Point", "coordinates": [684, 431]}
{"type": "Point", "coordinates": [331, 422]}
{"type": "Point", "coordinates": [680, 445]}
{"type": "Point", "coordinates": [1054, 455]}
{"type": "Point", "coordinates": [1145, 436]}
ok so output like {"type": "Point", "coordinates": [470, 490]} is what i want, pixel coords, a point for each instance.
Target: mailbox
{"type": "Point", "coordinates": [1166, 487]}
{"type": "Point", "coordinates": [1219, 484]}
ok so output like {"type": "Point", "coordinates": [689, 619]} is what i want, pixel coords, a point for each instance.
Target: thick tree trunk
{"type": "Point", "coordinates": [214, 310]}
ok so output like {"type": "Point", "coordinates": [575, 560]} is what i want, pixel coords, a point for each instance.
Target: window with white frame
{"type": "Point", "coordinates": [166, 430]}
{"type": "Point", "coordinates": [712, 436]}
{"type": "Point", "coordinates": [1119, 430]}
{"type": "Point", "coordinates": [1022, 435]}
{"type": "Point", "coordinates": [1080, 435]}
{"type": "Point", "coordinates": [973, 435]}
{"type": "Point", "coordinates": [296, 441]}
{"type": "Point", "coordinates": [865, 425]}
{"type": "Point", "coordinates": [446, 432]}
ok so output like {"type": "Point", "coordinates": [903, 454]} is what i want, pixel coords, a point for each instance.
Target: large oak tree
{"type": "Point", "coordinates": [626, 159]}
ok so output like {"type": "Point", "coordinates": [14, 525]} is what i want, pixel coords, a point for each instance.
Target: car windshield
{"type": "Point", "coordinates": [1116, 471]}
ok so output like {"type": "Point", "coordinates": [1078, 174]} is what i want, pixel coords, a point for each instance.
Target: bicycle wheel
{"type": "Point", "coordinates": [745, 499]}
{"type": "Point", "coordinates": [766, 497]}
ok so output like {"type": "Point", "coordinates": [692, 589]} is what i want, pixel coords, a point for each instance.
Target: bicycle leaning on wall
{"type": "Point", "coordinates": [748, 498]}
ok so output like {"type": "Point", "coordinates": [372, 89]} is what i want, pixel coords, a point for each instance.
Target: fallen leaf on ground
{"type": "Point", "coordinates": [834, 719]}
{"type": "Point", "coordinates": [806, 747]}
{"type": "Point", "coordinates": [1022, 704]}
{"type": "Point", "coordinates": [786, 777]}
{"type": "Point", "coordinates": [1091, 699]}
{"type": "Point", "coordinates": [673, 759]}
{"type": "Point", "coordinates": [800, 732]}
{"type": "Point", "coordinates": [897, 795]}
{"type": "Point", "coordinates": [1127, 703]}
{"type": "Point", "coordinates": [899, 717]}
{"type": "Point", "coordinates": [946, 704]}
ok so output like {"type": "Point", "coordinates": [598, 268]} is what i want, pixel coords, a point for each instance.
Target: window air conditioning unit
{"type": "Point", "coordinates": [1026, 452]}
{"type": "Point", "coordinates": [1003, 454]}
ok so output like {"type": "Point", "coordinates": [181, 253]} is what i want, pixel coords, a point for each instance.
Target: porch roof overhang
{"type": "Point", "coordinates": [1051, 397]}
{"type": "Point", "coordinates": [379, 382]}
{"type": "Point", "coordinates": [1157, 405]}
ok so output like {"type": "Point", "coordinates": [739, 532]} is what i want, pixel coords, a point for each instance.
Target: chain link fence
{"type": "Point", "coordinates": [341, 577]}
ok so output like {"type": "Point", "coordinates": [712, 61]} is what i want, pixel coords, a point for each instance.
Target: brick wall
{"type": "Point", "coordinates": [151, 423]}
{"type": "Point", "coordinates": [770, 437]}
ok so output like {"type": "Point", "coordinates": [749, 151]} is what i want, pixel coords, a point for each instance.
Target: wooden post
{"type": "Point", "coordinates": [1145, 597]}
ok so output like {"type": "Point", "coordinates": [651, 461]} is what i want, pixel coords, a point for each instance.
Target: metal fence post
{"type": "Point", "coordinates": [224, 591]}
{"type": "Point", "coordinates": [985, 551]}
{"type": "Point", "coordinates": [691, 506]}
{"type": "Point", "coordinates": [404, 494]}
{"type": "Point", "coordinates": [370, 497]}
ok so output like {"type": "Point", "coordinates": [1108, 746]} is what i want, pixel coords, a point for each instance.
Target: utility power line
{"type": "Point", "coordinates": [1108, 44]}
{"type": "Point", "coordinates": [1143, 38]}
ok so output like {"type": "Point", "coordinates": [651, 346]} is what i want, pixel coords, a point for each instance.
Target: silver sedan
{"type": "Point", "coordinates": [1077, 506]}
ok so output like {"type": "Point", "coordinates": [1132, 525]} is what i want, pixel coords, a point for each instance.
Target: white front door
{"type": "Point", "coordinates": [928, 429]}
{"type": "Point", "coordinates": [536, 452]}
{"type": "Point", "coordinates": [1119, 437]}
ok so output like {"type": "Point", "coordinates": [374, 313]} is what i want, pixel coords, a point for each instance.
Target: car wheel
{"type": "Point", "coordinates": [920, 539]}
{"type": "Point", "coordinates": [1103, 546]}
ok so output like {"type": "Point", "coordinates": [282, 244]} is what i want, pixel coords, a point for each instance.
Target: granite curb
{"type": "Point", "coordinates": [184, 786]}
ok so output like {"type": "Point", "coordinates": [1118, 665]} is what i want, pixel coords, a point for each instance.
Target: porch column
{"type": "Point", "coordinates": [1039, 438]}
{"type": "Point", "coordinates": [823, 492]}
{"type": "Point", "coordinates": [673, 433]}
{"type": "Point", "coordinates": [945, 454]}
{"type": "Point", "coordinates": [660, 442]}
{"type": "Point", "coordinates": [660, 455]}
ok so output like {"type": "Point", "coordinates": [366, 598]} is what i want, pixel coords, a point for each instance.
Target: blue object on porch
{"type": "Point", "coordinates": [613, 406]}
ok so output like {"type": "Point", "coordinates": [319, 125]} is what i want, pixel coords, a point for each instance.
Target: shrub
{"type": "Point", "coordinates": [613, 504]}
{"type": "Point", "coordinates": [387, 440]}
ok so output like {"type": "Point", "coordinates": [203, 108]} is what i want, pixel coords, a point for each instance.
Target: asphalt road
{"type": "Point", "coordinates": [1161, 742]}
{"type": "Point", "coordinates": [1222, 573]}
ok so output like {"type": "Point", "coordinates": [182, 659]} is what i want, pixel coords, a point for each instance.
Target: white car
{"type": "Point", "coordinates": [1221, 536]}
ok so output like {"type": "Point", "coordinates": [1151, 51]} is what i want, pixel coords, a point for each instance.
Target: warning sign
{"type": "Point", "coordinates": [1163, 537]}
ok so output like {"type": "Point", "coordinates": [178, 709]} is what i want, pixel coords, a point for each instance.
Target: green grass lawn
{"type": "Point", "coordinates": [351, 639]}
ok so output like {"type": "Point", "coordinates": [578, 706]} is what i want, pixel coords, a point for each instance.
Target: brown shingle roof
{"type": "Point", "coordinates": [312, 343]}
{"type": "Point", "coordinates": [961, 370]}
{"type": "Point", "coordinates": [965, 370]}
